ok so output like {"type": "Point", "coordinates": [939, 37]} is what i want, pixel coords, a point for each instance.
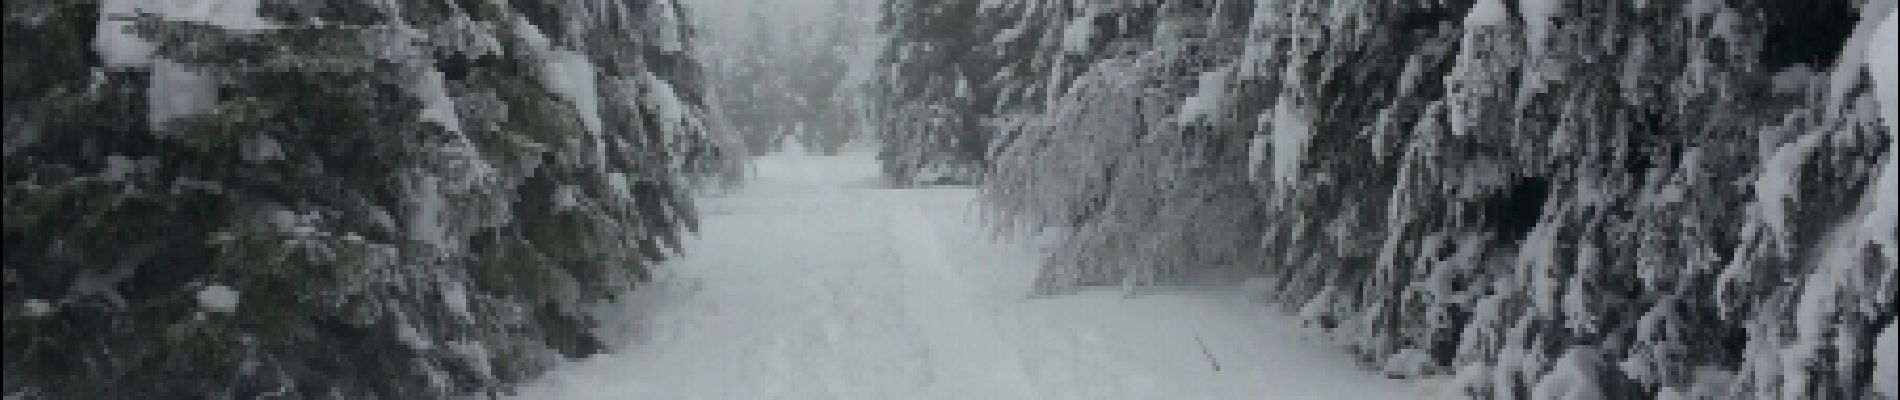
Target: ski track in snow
{"type": "Point", "coordinates": [815, 282]}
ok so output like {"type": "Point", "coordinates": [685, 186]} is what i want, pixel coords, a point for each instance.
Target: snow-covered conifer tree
{"type": "Point", "coordinates": [334, 199]}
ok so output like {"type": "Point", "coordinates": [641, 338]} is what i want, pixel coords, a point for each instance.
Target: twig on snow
{"type": "Point", "coordinates": [1210, 355]}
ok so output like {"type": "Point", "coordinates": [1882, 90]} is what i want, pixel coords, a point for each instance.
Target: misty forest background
{"type": "Point", "coordinates": [422, 198]}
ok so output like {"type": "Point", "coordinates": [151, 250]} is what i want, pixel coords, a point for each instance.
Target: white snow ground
{"type": "Point", "coordinates": [814, 282]}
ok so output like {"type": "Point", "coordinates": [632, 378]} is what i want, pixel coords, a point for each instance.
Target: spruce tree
{"type": "Point", "coordinates": [1535, 198]}
{"type": "Point", "coordinates": [322, 199]}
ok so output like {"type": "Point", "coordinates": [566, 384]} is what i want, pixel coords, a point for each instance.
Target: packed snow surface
{"type": "Point", "coordinates": [817, 281]}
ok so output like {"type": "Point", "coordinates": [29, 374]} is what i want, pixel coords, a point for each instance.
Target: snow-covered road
{"type": "Point", "coordinates": [814, 282]}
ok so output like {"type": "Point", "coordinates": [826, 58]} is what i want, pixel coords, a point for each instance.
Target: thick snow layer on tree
{"type": "Point", "coordinates": [1573, 378]}
{"type": "Point", "coordinates": [218, 298]}
{"type": "Point", "coordinates": [178, 91]}
{"type": "Point", "coordinates": [1076, 37]}
{"type": "Point", "coordinates": [571, 76]}
{"type": "Point", "coordinates": [668, 27]}
{"type": "Point", "coordinates": [1883, 63]}
{"type": "Point", "coordinates": [816, 283]}
{"type": "Point", "coordinates": [664, 102]}
{"type": "Point", "coordinates": [1887, 351]}
{"type": "Point", "coordinates": [1290, 129]}
{"type": "Point", "coordinates": [1207, 98]}
{"type": "Point", "coordinates": [437, 106]}
{"type": "Point", "coordinates": [175, 90]}
{"type": "Point", "coordinates": [1486, 12]}
{"type": "Point", "coordinates": [1884, 199]}
{"type": "Point", "coordinates": [1537, 16]}
{"type": "Point", "coordinates": [38, 307]}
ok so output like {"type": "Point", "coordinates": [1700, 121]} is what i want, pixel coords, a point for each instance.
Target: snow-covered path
{"type": "Point", "coordinates": [816, 283]}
